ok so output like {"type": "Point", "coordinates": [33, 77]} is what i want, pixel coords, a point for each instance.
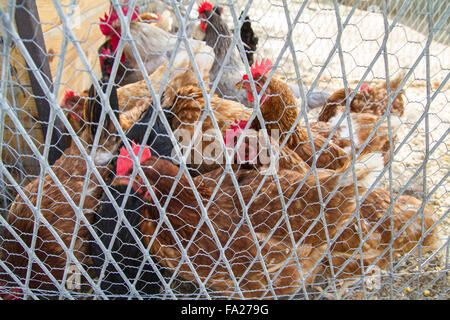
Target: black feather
{"type": "Point", "coordinates": [95, 109]}
{"type": "Point", "coordinates": [158, 139]}
{"type": "Point", "coordinates": [249, 38]}
{"type": "Point", "coordinates": [125, 250]}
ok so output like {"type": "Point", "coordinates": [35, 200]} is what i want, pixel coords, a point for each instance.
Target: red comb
{"type": "Point", "coordinates": [106, 25]}
{"type": "Point", "coordinates": [261, 69]}
{"type": "Point", "coordinates": [67, 94]}
{"type": "Point", "coordinates": [124, 162]}
{"type": "Point", "coordinates": [364, 87]}
{"type": "Point", "coordinates": [240, 125]}
{"type": "Point", "coordinates": [114, 44]}
{"type": "Point", "coordinates": [235, 129]}
{"type": "Point", "coordinates": [205, 6]}
{"type": "Point", "coordinates": [105, 53]}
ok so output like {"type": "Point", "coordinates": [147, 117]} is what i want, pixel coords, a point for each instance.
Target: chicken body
{"type": "Point", "coordinates": [400, 230]}
{"type": "Point", "coordinates": [218, 37]}
{"type": "Point", "coordinates": [226, 215]}
{"type": "Point", "coordinates": [127, 73]}
{"type": "Point", "coordinates": [154, 46]}
{"type": "Point", "coordinates": [124, 247]}
{"type": "Point", "coordinates": [279, 110]}
{"type": "Point", "coordinates": [362, 126]}
{"type": "Point", "coordinates": [184, 104]}
{"type": "Point", "coordinates": [384, 232]}
{"type": "Point", "coordinates": [374, 100]}
{"type": "Point", "coordinates": [71, 170]}
{"type": "Point", "coordinates": [131, 96]}
{"type": "Point", "coordinates": [366, 110]}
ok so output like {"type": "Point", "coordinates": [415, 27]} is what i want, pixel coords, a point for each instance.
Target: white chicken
{"type": "Point", "coordinates": [154, 45]}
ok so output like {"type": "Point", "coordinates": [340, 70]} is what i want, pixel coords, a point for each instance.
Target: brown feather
{"type": "Point", "coordinates": [374, 100]}
{"type": "Point", "coordinates": [226, 216]}
{"type": "Point", "coordinates": [280, 112]}
{"type": "Point", "coordinates": [71, 170]}
{"type": "Point", "coordinates": [373, 211]}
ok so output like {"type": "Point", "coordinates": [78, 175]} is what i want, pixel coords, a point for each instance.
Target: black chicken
{"type": "Point", "coordinates": [125, 250]}
{"type": "Point", "coordinates": [249, 38]}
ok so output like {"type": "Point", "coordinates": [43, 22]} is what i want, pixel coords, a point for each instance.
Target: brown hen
{"type": "Point", "coordinates": [373, 100]}
{"type": "Point", "coordinates": [72, 171]}
{"type": "Point", "coordinates": [279, 110]}
{"type": "Point", "coordinates": [396, 232]}
{"type": "Point", "coordinates": [276, 230]}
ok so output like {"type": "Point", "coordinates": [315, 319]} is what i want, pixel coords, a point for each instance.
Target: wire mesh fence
{"type": "Point", "coordinates": [240, 149]}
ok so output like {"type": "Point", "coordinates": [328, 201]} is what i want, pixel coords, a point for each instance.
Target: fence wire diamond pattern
{"type": "Point", "coordinates": [235, 149]}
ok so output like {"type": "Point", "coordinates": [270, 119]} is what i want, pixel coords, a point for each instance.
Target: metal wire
{"type": "Point", "coordinates": [418, 273]}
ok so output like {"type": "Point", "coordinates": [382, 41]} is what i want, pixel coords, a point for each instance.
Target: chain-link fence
{"type": "Point", "coordinates": [240, 149]}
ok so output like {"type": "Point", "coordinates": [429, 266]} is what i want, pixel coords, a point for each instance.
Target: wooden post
{"type": "Point", "coordinates": [29, 29]}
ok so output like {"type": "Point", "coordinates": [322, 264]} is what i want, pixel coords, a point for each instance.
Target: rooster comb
{"type": "Point", "coordinates": [124, 162]}
{"type": "Point", "coordinates": [70, 106]}
{"type": "Point", "coordinates": [67, 94]}
{"type": "Point", "coordinates": [261, 69]}
{"type": "Point", "coordinates": [205, 6]}
{"type": "Point", "coordinates": [106, 23]}
{"type": "Point", "coordinates": [235, 130]}
{"type": "Point", "coordinates": [364, 87]}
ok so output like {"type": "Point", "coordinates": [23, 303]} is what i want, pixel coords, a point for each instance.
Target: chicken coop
{"type": "Point", "coordinates": [182, 149]}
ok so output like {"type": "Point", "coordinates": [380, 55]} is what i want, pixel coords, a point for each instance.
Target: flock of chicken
{"type": "Point", "coordinates": [232, 229]}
